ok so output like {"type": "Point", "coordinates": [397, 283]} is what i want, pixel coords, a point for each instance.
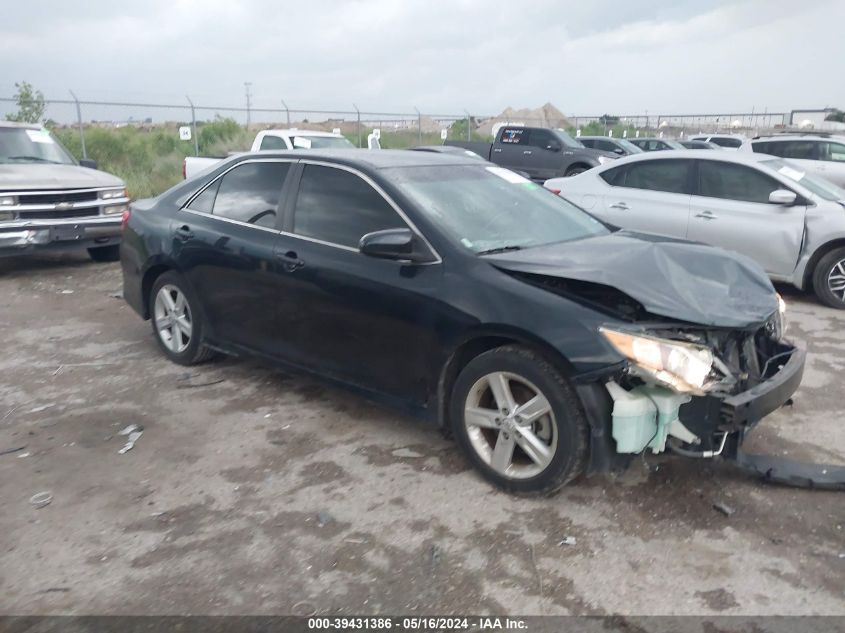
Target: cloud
{"type": "Point", "coordinates": [442, 57]}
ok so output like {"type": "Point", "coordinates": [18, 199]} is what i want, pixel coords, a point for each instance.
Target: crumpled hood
{"type": "Point", "coordinates": [671, 278]}
{"type": "Point", "coordinates": [34, 176]}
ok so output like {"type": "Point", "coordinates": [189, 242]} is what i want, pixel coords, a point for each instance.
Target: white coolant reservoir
{"type": "Point", "coordinates": [634, 419]}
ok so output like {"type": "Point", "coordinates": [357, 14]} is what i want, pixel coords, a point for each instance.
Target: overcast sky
{"type": "Point", "coordinates": [585, 56]}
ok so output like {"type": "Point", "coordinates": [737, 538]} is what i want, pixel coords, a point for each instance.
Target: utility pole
{"type": "Point", "coordinates": [247, 87]}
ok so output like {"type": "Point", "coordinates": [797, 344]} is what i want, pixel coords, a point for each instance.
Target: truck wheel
{"type": "Point", "coordinates": [176, 321]}
{"type": "Point", "coordinates": [575, 170]}
{"type": "Point", "coordinates": [519, 421]}
{"type": "Point", "coordinates": [829, 279]}
{"type": "Point", "coordinates": [105, 253]}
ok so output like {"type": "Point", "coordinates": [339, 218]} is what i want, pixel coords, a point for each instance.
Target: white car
{"type": "Point", "coordinates": [820, 154]}
{"type": "Point", "coordinates": [791, 223]}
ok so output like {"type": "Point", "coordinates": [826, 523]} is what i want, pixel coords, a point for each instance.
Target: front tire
{"type": "Point", "coordinates": [105, 253]}
{"type": "Point", "coordinates": [575, 170]}
{"type": "Point", "coordinates": [519, 421]}
{"type": "Point", "coordinates": [829, 279]}
{"type": "Point", "coordinates": [176, 320]}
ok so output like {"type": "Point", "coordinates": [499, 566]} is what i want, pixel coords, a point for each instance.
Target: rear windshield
{"type": "Point", "coordinates": [487, 207]}
{"type": "Point", "coordinates": [23, 145]}
{"type": "Point", "coordinates": [822, 188]}
{"type": "Point", "coordinates": [325, 142]}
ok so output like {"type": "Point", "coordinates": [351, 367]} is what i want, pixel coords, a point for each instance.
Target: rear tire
{"type": "Point", "coordinates": [575, 170]}
{"type": "Point", "coordinates": [177, 321]}
{"type": "Point", "coordinates": [829, 279]}
{"type": "Point", "coordinates": [537, 446]}
{"type": "Point", "coordinates": [105, 253]}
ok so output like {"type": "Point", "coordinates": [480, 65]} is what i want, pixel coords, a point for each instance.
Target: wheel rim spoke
{"type": "Point", "coordinates": [534, 447]}
{"type": "Point", "coordinates": [169, 304]}
{"type": "Point", "coordinates": [534, 409]}
{"type": "Point", "coordinates": [484, 418]}
{"type": "Point", "coordinates": [173, 319]}
{"type": "Point", "coordinates": [503, 453]}
{"type": "Point", "coordinates": [179, 304]}
{"type": "Point", "coordinates": [500, 386]}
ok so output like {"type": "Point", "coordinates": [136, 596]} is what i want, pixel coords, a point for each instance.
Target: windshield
{"type": "Point", "coordinates": [491, 208]}
{"type": "Point", "coordinates": [24, 145]}
{"type": "Point", "coordinates": [819, 186]}
{"type": "Point", "coordinates": [327, 142]}
{"type": "Point", "coordinates": [567, 140]}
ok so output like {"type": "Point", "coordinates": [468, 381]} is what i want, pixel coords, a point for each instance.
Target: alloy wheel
{"type": "Point", "coordinates": [173, 318]}
{"type": "Point", "coordinates": [836, 280]}
{"type": "Point", "coordinates": [510, 425]}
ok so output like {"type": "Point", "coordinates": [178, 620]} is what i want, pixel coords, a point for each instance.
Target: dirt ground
{"type": "Point", "coordinates": [268, 493]}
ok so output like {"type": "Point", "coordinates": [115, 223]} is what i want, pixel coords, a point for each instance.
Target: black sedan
{"type": "Point", "coordinates": [549, 343]}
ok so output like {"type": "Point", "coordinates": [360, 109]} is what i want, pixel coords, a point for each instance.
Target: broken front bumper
{"type": "Point", "coordinates": [19, 237]}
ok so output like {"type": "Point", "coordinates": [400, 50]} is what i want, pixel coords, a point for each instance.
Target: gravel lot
{"type": "Point", "coordinates": [269, 493]}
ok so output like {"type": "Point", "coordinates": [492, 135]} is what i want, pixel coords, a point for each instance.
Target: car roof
{"type": "Point", "coordinates": [705, 135]}
{"type": "Point", "coordinates": [371, 159]}
{"type": "Point", "coordinates": [605, 138]}
{"type": "Point", "coordinates": [804, 136]}
{"type": "Point", "coordinates": [294, 131]}
{"type": "Point", "coordinates": [15, 124]}
{"type": "Point", "coordinates": [748, 158]}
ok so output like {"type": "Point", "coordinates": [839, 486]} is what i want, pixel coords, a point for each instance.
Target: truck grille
{"type": "Point", "coordinates": [57, 215]}
{"type": "Point", "coordinates": [57, 197]}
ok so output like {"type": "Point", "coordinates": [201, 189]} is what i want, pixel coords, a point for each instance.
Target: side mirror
{"type": "Point", "coordinates": [88, 162]}
{"type": "Point", "coordinates": [783, 196]}
{"type": "Point", "coordinates": [618, 150]}
{"type": "Point", "coordinates": [395, 244]}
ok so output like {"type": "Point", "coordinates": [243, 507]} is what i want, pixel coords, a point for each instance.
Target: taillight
{"type": "Point", "coordinates": [124, 219]}
{"type": "Point", "coordinates": [184, 169]}
{"type": "Point", "coordinates": [554, 191]}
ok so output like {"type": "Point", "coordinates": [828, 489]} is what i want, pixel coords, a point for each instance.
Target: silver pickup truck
{"type": "Point", "coordinates": [50, 202]}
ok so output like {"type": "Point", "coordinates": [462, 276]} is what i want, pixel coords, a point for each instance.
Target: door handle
{"type": "Point", "coordinates": [706, 215]}
{"type": "Point", "coordinates": [620, 205]}
{"type": "Point", "coordinates": [528, 151]}
{"type": "Point", "coordinates": [290, 261]}
{"type": "Point", "coordinates": [184, 232]}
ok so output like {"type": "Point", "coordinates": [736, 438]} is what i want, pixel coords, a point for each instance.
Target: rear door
{"type": "Point", "coordinates": [224, 242]}
{"type": "Point", "coordinates": [512, 149]}
{"type": "Point", "coordinates": [363, 320]}
{"type": "Point", "coordinates": [652, 196]}
{"type": "Point", "coordinates": [731, 209]}
{"type": "Point", "coordinates": [832, 155]}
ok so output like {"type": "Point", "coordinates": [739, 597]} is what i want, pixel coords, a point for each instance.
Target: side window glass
{"type": "Point", "coordinates": [798, 149]}
{"type": "Point", "coordinates": [588, 142]}
{"type": "Point", "coordinates": [615, 176]}
{"type": "Point", "coordinates": [540, 138]}
{"type": "Point", "coordinates": [671, 176]}
{"type": "Point", "coordinates": [734, 182]}
{"type": "Point", "coordinates": [336, 206]}
{"type": "Point", "coordinates": [251, 192]}
{"type": "Point", "coordinates": [725, 141]}
{"type": "Point", "coordinates": [834, 152]}
{"type": "Point", "coordinates": [272, 142]}
{"type": "Point", "coordinates": [204, 203]}
{"type": "Point", "coordinates": [514, 136]}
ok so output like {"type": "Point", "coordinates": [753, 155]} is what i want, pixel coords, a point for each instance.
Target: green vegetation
{"type": "Point", "coordinates": [30, 104]}
{"type": "Point", "coordinates": [836, 115]}
{"type": "Point", "coordinates": [150, 160]}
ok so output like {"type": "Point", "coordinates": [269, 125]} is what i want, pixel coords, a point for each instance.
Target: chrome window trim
{"type": "Point", "coordinates": [197, 193]}
{"type": "Point", "coordinates": [383, 194]}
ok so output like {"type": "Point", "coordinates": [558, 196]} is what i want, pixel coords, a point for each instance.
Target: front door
{"type": "Point", "coordinates": [731, 209]}
{"type": "Point", "coordinates": [363, 320]}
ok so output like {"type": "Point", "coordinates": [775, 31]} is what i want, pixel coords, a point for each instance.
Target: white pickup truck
{"type": "Point", "coordinates": [273, 140]}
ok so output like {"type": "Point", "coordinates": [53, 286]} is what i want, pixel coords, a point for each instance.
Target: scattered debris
{"type": "Point", "coordinates": [13, 450]}
{"type": "Point", "coordinates": [56, 590]}
{"type": "Point", "coordinates": [117, 295]}
{"type": "Point", "coordinates": [567, 540]}
{"type": "Point", "coordinates": [359, 541]}
{"type": "Point", "coordinates": [266, 415]}
{"type": "Point", "coordinates": [58, 369]}
{"type": "Point", "coordinates": [724, 508]}
{"type": "Point", "coordinates": [43, 407]}
{"type": "Point", "coordinates": [324, 518]}
{"type": "Point", "coordinates": [191, 385]}
{"type": "Point", "coordinates": [134, 431]}
{"type": "Point", "coordinates": [41, 499]}
{"type": "Point", "coordinates": [27, 454]}
{"type": "Point", "coordinates": [67, 292]}
{"type": "Point", "coordinates": [10, 412]}
{"type": "Point", "coordinates": [304, 609]}
{"type": "Point", "coordinates": [406, 452]}
{"type": "Point", "coordinates": [435, 554]}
